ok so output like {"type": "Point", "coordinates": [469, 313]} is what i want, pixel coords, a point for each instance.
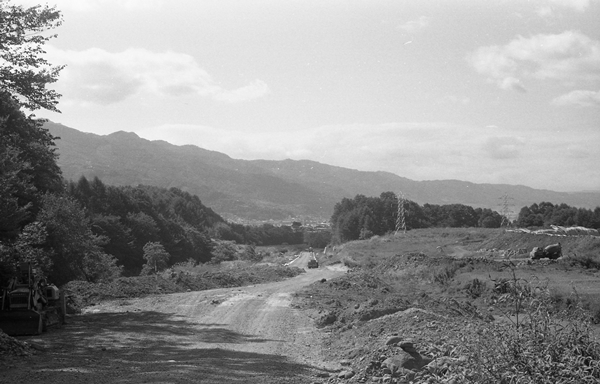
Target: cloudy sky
{"type": "Point", "coordinates": [485, 91]}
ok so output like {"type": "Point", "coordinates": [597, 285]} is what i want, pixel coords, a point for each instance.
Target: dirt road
{"type": "Point", "coordinates": [236, 335]}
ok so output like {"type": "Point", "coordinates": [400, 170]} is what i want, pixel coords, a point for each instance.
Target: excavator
{"type": "Point", "coordinates": [29, 304]}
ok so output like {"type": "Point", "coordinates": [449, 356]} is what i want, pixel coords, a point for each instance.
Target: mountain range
{"type": "Point", "coordinates": [269, 189]}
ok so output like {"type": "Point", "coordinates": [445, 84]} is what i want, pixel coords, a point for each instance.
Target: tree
{"type": "Point", "coordinates": [156, 258]}
{"type": "Point", "coordinates": [75, 251]}
{"type": "Point", "coordinates": [119, 242]}
{"type": "Point", "coordinates": [224, 251]}
{"type": "Point", "coordinates": [28, 168]}
{"type": "Point", "coordinates": [27, 247]}
{"type": "Point", "coordinates": [143, 227]}
{"type": "Point", "coordinates": [489, 218]}
{"type": "Point", "coordinates": [13, 211]}
{"type": "Point", "coordinates": [317, 239]}
{"type": "Point", "coordinates": [24, 73]}
{"type": "Point", "coordinates": [251, 254]}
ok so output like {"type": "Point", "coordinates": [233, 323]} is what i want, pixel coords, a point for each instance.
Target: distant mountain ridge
{"type": "Point", "coordinates": [268, 189]}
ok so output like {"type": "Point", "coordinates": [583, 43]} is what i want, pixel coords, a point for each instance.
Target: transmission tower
{"type": "Point", "coordinates": [505, 210]}
{"type": "Point", "coordinates": [401, 216]}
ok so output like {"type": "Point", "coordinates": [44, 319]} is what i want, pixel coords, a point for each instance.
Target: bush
{"type": "Point", "coordinates": [543, 346]}
{"type": "Point", "coordinates": [444, 275]}
{"type": "Point", "coordinates": [544, 349]}
{"type": "Point", "coordinates": [350, 263]}
{"type": "Point", "coordinates": [475, 288]}
{"type": "Point", "coordinates": [224, 251]}
{"type": "Point", "coordinates": [586, 261]}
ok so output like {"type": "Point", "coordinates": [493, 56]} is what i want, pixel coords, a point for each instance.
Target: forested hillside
{"type": "Point", "coordinates": [127, 218]}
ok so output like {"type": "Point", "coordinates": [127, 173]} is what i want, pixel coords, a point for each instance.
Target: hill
{"type": "Point", "coordinates": [265, 189]}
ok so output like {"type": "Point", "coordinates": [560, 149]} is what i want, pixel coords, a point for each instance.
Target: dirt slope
{"type": "Point", "coordinates": [235, 335]}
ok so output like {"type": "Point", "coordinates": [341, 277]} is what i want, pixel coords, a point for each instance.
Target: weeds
{"type": "Point", "coordinates": [444, 275]}
{"type": "Point", "coordinates": [475, 288]}
{"type": "Point", "coordinates": [586, 261]}
{"type": "Point", "coordinates": [540, 346]}
{"type": "Point", "coordinates": [350, 263]}
{"type": "Point", "coordinates": [545, 349]}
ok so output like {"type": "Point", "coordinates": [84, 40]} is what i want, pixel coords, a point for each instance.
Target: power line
{"type": "Point", "coordinates": [505, 210]}
{"type": "Point", "coordinates": [401, 214]}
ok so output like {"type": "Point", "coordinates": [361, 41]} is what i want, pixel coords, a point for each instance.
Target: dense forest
{"type": "Point", "coordinates": [128, 218]}
{"type": "Point", "coordinates": [363, 217]}
{"type": "Point", "coordinates": [546, 214]}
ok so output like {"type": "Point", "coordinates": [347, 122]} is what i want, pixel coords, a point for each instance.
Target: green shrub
{"type": "Point", "coordinates": [544, 349]}
{"type": "Point", "coordinates": [586, 261]}
{"type": "Point", "coordinates": [350, 263]}
{"type": "Point", "coordinates": [475, 288]}
{"type": "Point", "coordinates": [445, 274]}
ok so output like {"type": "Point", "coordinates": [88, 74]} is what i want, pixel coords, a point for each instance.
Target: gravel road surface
{"type": "Point", "coordinates": [234, 335]}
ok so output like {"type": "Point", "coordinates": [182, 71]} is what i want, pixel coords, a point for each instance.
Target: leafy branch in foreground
{"type": "Point", "coordinates": [24, 73]}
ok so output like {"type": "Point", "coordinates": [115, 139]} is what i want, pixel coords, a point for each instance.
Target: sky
{"type": "Point", "coordinates": [483, 91]}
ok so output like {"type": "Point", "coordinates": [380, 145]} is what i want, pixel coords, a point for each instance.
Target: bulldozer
{"type": "Point", "coordinates": [552, 252]}
{"type": "Point", "coordinates": [29, 305]}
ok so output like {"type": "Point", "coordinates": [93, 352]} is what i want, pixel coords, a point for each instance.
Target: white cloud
{"type": "Point", "coordinates": [454, 99]}
{"type": "Point", "coordinates": [415, 25]}
{"type": "Point", "coordinates": [544, 11]}
{"type": "Point", "coordinates": [507, 147]}
{"type": "Point", "coordinates": [552, 8]}
{"type": "Point", "coordinates": [512, 83]}
{"type": "Point", "coordinates": [101, 77]}
{"type": "Point", "coordinates": [582, 98]}
{"type": "Point", "coordinates": [577, 5]}
{"type": "Point", "coordinates": [567, 57]}
{"type": "Point", "coordinates": [254, 90]}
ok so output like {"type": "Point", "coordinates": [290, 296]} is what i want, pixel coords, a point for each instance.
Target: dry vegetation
{"type": "Point", "coordinates": [453, 295]}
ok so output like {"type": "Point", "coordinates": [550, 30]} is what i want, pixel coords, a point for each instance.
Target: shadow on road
{"type": "Point", "coordinates": [151, 347]}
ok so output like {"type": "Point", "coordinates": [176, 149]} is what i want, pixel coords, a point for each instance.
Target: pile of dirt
{"type": "Point", "coordinates": [354, 297]}
{"type": "Point", "coordinates": [377, 350]}
{"type": "Point", "coordinates": [10, 346]}
{"type": "Point", "coordinates": [380, 332]}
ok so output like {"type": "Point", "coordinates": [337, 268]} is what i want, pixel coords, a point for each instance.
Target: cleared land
{"type": "Point", "coordinates": [450, 293]}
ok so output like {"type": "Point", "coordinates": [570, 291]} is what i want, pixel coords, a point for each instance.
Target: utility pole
{"type": "Point", "coordinates": [401, 215]}
{"type": "Point", "coordinates": [505, 210]}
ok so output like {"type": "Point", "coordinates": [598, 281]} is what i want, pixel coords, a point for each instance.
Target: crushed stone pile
{"type": "Point", "coordinates": [10, 346]}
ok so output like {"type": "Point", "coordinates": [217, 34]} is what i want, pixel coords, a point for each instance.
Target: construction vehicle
{"type": "Point", "coordinates": [29, 304]}
{"type": "Point", "coordinates": [552, 252]}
